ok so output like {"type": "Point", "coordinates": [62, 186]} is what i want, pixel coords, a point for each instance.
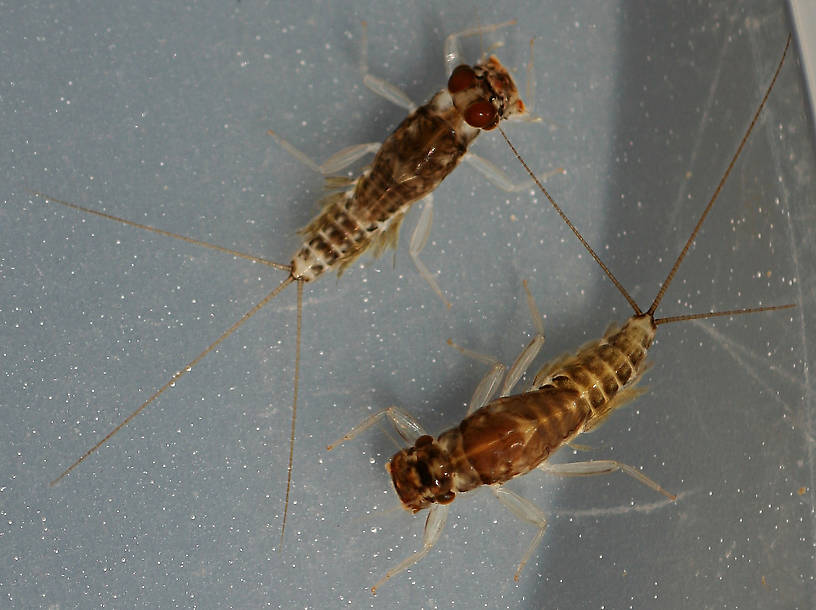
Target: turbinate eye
{"type": "Point", "coordinates": [425, 439]}
{"type": "Point", "coordinates": [482, 115]}
{"type": "Point", "coordinates": [461, 78]}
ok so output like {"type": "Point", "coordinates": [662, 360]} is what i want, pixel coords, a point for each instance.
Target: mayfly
{"type": "Point", "coordinates": [515, 434]}
{"type": "Point", "coordinates": [365, 212]}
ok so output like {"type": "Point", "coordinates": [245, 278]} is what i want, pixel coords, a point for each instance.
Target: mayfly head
{"type": "Point", "coordinates": [422, 475]}
{"type": "Point", "coordinates": [485, 93]}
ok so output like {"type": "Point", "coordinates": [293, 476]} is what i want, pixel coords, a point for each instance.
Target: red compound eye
{"type": "Point", "coordinates": [482, 115]}
{"type": "Point", "coordinates": [425, 439]}
{"type": "Point", "coordinates": [461, 78]}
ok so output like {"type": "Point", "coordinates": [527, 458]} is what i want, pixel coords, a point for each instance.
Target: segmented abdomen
{"type": "Point", "coordinates": [514, 434]}
{"type": "Point", "coordinates": [411, 163]}
{"type": "Point", "coordinates": [601, 369]}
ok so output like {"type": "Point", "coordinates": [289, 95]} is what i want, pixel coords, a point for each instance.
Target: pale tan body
{"type": "Point", "coordinates": [366, 212]}
{"type": "Point", "coordinates": [409, 165]}
{"type": "Point", "coordinates": [513, 435]}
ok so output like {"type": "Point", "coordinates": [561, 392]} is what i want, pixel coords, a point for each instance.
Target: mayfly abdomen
{"type": "Point", "coordinates": [514, 434]}
{"type": "Point", "coordinates": [603, 368]}
{"type": "Point", "coordinates": [333, 239]}
{"type": "Point", "coordinates": [411, 163]}
{"type": "Point", "coordinates": [364, 212]}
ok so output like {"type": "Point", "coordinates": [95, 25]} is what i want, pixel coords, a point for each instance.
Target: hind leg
{"type": "Point", "coordinates": [488, 385]}
{"type": "Point", "coordinates": [337, 162]}
{"type": "Point", "coordinates": [418, 240]}
{"type": "Point", "coordinates": [379, 86]}
{"type": "Point", "coordinates": [596, 467]}
{"type": "Point", "coordinates": [526, 511]}
{"type": "Point", "coordinates": [499, 178]}
{"type": "Point", "coordinates": [407, 427]}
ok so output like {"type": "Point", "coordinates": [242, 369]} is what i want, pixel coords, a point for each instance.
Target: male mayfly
{"type": "Point", "coordinates": [366, 212]}
{"type": "Point", "coordinates": [512, 435]}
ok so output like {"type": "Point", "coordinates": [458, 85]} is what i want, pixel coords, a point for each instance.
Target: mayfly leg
{"type": "Point", "coordinates": [600, 467]}
{"type": "Point", "coordinates": [488, 386]}
{"type": "Point", "coordinates": [364, 213]}
{"type": "Point", "coordinates": [341, 160]}
{"type": "Point", "coordinates": [506, 437]}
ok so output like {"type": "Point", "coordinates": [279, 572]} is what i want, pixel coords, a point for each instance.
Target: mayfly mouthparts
{"type": "Point", "coordinates": [515, 434]}
{"type": "Point", "coordinates": [365, 213]}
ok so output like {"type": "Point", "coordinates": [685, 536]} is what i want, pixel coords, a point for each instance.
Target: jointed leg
{"type": "Point", "coordinates": [499, 178]}
{"type": "Point", "coordinates": [434, 524]}
{"type": "Point", "coordinates": [596, 467]}
{"type": "Point", "coordinates": [526, 511]}
{"type": "Point", "coordinates": [407, 427]}
{"type": "Point", "coordinates": [379, 86]}
{"type": "Point", "coordinates": [490, 382]}
{"type": "Point", "coordinates": [453, 54]}
{"type": "Point", "coordinates": [528, 354]}
{"type": "Point", "coordinates": [418, 240]}
{"type": "Point", "coordinates": [337, 162]}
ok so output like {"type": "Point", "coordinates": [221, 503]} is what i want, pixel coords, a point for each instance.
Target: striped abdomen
{"type": "Point", "coordinates": [512, 435]}
{"type": "Point", "coordinates": [411, 163]}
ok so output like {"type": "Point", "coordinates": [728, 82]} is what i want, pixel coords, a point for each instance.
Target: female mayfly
{"type": "Point", "coordinates": [515, 434]}
{"type": "Point", "coordinates": [366, 212]}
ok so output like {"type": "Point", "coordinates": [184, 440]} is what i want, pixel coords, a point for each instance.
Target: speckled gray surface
{"type": "Point", "coordinates": [159, 113]}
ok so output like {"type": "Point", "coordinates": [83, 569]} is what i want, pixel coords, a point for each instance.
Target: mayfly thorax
{"type": "Point", "coordinates": [364, 213]}
{"type": "Point", "coordinates": [515, 434]}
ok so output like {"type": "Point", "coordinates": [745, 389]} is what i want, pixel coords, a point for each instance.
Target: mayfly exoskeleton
{"type": "Point", "coordinates": [158, 111]}
{"type": "Point", "coordinates": [364, 213]}
{"type": "Point", "coordinates": [503, 438]}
